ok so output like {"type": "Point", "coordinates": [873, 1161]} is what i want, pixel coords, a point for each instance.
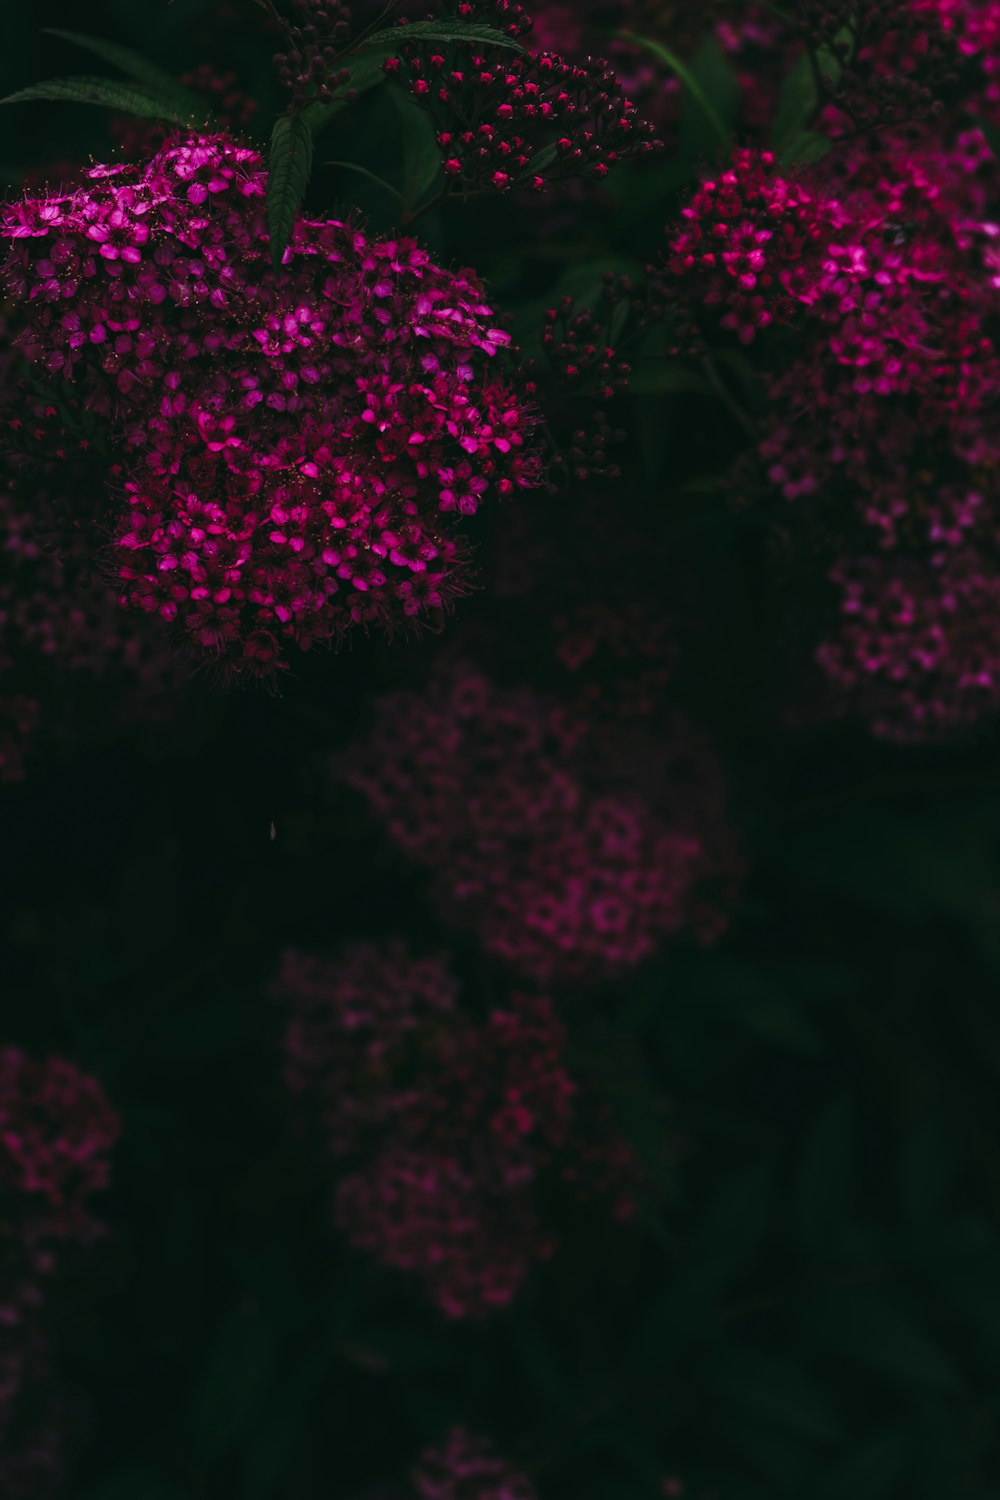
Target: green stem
{"type": "Point", "coordinates": [727, 398]}
{"type": "Point", "coordinates": [686, 77]}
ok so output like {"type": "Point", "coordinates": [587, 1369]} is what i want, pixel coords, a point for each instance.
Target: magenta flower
{"type": "Point", "coordinates": [489, 790]}
{"type": "Point", "coordinates": [444, 1126]}
{"type": "Point", "coordinates": [297, 447]}
{"type": "Point", "coordinates": [56, 1134]}
{"type": "Point", "coordinates": [467, 1467]}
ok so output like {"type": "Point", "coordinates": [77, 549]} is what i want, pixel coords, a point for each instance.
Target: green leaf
{"type": "Point", "coordinates": [926, 1171]}
{"type": "Point", "coordinates": [787, 1460]}
{"type": "Point", "coordinates": [991, 134]}
{"type": "Point", "coordinates": [873, 1329]}
{"type": "Point", "coordinates": [366, 73]}
{"type": "Point", "coordinates": [234, 1386]}
{"type": "Point", "coordinates": [741, 1217]}
{"type": "Point", "coordinates": [136, 1482]}
{"type": "Point", "coordinates": [667, 378]}
{"type": "Point", "coordinates": [687, 78]}
{"type": "Point", "coordinates": [733, 1229]}
{"type": "Point", "coordinates": [441, 32]}
{"type": "Point", "coordinates": [805, 149]}
{"type": "Point", "coordinates": [280, 1435]}
{"type": "Point", "coordinates": [129, 98]}
{"type": "Point", "coordinates": [823, 1195]}
{"type": "Point", "coordinates": [421, 152]}
{"type": "Point", "coordinates": [156, 79]}
{"type": "Point", "coordinates": [773, 1389]}
{"type": "Point", "coordinates": [712, 70]}
{"type": "Point", "coordinates": [289, 166]}
{"type": "Point", "coordinates": [354, 166]}
{"type": "Point", "coordinates": [868, 1474]}
{"type": "Point", "coordinates": [541, 1369]}
{"type": "Point", "coordinates": [800, 99]}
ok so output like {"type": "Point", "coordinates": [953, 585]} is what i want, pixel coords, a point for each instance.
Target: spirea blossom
{"type": "Point", "coordinates": [467, 1467]}
{"type": "Point", "coordinates": [917, 650]}
{"type": "Point", "coordinates": [748, 244]}
{"type": "Point", "coordinates": [560, 874]}
{"type": "Point", "coordinates": [56, 1132]}
{"type": "Point", "coordinates": [507, 119]}
{"type": "Point", "coordinates": [443, 1126]}
{"type": "Point", "coordinates": [301, 446]}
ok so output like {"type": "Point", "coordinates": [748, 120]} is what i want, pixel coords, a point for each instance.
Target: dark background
{"type": "Point", "coordinates": [812, 1309]}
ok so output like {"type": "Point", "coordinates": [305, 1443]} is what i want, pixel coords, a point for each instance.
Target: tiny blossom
{"type": "Point", "coordinates": [623, 658]}
{"type": "Point", "coordinates": [580, 371]}
{"type": "Point", "coordinates": [508, 119]}
{"type": "Point", "coordinates": [56, 1129]}
{"type": "Point", "coordinates": [489, 790]}
{"type": "Point", "coordinates": [917, 652]}
{"type": "Point", "coordinates": [300, 447]}
{"type": "Point", "coordinates": [467, 1467]}
{"type": "Point", "coordinates": [232, 111]}
{"type": "Point", "coordinates": [749, 241]}
{"type": "Point", "coordinates": [903, 371]}
{"type": "Point", "coordinates": [56, 1132]}
{"type": "Point", "coordinates": [445, 1125]}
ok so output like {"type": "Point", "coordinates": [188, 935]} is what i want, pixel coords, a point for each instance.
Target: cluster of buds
{"type": "Point", "coordinates": [581, 372]}
{"type": "Point", "coordinates": [315, 34]}
{"type": "Point", "coordinates": [444, 1127]}
{"type": "Point", "coordinates": [890, 59]}
{"type": "Point", "coordinates": [508, 119]}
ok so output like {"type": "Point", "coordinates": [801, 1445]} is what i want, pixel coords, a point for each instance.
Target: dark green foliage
{"type": "Point", "coordinates": [289, 164]}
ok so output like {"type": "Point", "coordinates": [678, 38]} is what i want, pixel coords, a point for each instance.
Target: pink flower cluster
{"type": "Point", "coordinates": [623, 659]}
{"type": "Point", "coordinates": [62, 633]}
{"type": "Point", "coordinates": [230, 108]}
{"type": "Point", "coordinates": [559, 875]}
{"type": "Point", "coordinates": [748, 244]}
{"type": "Point", "coordinates": [56, 1132]}
{"type": "Point", "coordinates": [467, 1467]}
{"type": "Point", "coordinates": [884, 261]}
{"type": "Point", "coordinates": [918, 648]}
{"type": "Point", "coordinates": [301, 445]}
{"type": "Point", "coordinates": [885, 434]}
{"type": "Point", "coordinates": [445, 1125]}
{"type": "Point", "coordinates": [509, 119]}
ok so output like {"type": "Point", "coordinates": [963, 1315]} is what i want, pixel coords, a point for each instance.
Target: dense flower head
{"type": "Point", "coordinates": [300, 446]}
{"type": "Point", "coordinates": [63, 636]}
{"type": "Point", "coordinates": [467, 1467]}
{"type": "Point", "coordinates": [886, 61]}
{"type": "Point", "coordinates": [56, 1130]}
{"type": "Point", "coordinates": [748, 244]}
{"type": "Point", "coordinates": [444, 1125]}
{"type": "Point", "coordinates": [558, 873]}
{"type": "Point", "coordinates": [622, 656]}
{"type": "Point", "coordinates": [507, 119]}
{"type": "Point", "coordinates": [313, 33]}
{"type": "Point", "coordinates": [892, 383]}
{"type": "Point", "coordinates": [56, 1133]}
{"type": "Point", "coordinates": [917, 651]}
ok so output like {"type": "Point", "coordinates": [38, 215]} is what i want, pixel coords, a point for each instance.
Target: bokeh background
{"type": "Point", "coordinates": [807, 1303]}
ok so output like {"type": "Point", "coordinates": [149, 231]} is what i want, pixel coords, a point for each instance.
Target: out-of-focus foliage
{"type": "Point", "coordinates": [806, 1302]}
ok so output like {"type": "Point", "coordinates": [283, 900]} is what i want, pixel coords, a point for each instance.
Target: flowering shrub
{"type": "Point", "coordinates": [485, 788]}
{"type": "Point", "coordinates": [449, 1124]}
{"type": "Point", "coordinates": [566, 1013]}
{"type": "Point", "coordinates": [292, 473]}
{"type": "Point", "coordinates": [56, 1132]}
